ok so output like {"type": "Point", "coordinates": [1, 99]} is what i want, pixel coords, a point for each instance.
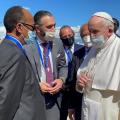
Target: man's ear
{"type": "Point", "coordinates": [37, 29]}
{"type": "Point", "coordinates": [19, 29]}
{"type": "Point", "coordinates": [110, 30]}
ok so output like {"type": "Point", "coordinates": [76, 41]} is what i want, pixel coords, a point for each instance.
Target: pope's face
{"type": "Point", "coordinates": [97, 28]}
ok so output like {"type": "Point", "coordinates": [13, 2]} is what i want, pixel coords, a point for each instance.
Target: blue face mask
{"type": "Point", "coordinates": [98, 42]}
{"type": "Point", "coordinates": [31, 37]}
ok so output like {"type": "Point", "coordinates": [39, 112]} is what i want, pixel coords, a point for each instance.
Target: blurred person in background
{"type": "Point", "coordinates": [67, 37]}
{"type": "Point", "coordinates": [85, 35]}
{"type": "Point", "coordinates": [116, 26]}
{"type": "Point", "coordinates": [75, 100]}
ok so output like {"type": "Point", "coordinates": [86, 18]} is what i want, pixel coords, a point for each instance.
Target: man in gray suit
{"type": "Point", "coordinates": [20, 98]}
{"type": "Point", "coordinates": [50, 68]}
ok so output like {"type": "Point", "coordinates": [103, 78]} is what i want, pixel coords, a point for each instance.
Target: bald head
{"type": "Point", "coordinates": [14, 15]}
{"type": "Point", "coordinates": [84, 31]}
{"type": "Point", "coordinates": [18, 21]}
{"type": "Point", "coordinates": [85, 35]}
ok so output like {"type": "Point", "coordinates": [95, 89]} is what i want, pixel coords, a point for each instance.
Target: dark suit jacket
{"type": "Point", "coordinates": [77, 47]}
{"type": "Point", "coordinates": [75, 98]}
{"type": "Point", "coordinates": [78, 54]}
{"type": "Point", "coordinates": [69, 93]}
{"type": "Point", "coordinates": [20, 98]}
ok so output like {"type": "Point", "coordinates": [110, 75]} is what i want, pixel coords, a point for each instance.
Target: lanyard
{"type": "Point", "coordinates": [69, 55]}
{"type": "Point", "coordinates": [14, 40]}
{"type": "Point", "coordinates": [47, 55]}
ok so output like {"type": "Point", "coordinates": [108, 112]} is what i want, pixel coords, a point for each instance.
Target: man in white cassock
{"type": "Point", "coordinates": [99, 75]}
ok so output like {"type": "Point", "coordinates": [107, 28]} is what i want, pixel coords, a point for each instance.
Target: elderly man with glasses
{"type": "Point", "coordinates": [20, 97]}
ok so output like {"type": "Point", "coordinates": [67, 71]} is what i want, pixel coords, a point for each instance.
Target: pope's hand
{"type": "Point", "coordinates": [84, 80]}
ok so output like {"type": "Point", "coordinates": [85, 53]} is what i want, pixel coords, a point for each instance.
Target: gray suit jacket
{"type": "Point", "coordinates": [58, 59]}
{"type": "Point", "coordinates": [20, 98]}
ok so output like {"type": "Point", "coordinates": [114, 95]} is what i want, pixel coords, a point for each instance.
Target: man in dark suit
{"type": "Point", "coordinates": [50, 67]}
{"type": "Point", "coordinates": [67, 37]}
{"type": "Point", "coordinates": [20, 98]}
{"type": "Point", "coordinates": [75, 98]}
{"type": "Point", "coordinates": [85, 36]}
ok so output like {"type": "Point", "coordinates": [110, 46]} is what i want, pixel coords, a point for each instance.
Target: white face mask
{"type": "Point", "coordinates": [30, 38]}
{"type": "Point", "coordinates": [49, 36]}
{"type": "Point", "coordinates": [98, 42]}
{"type": "Point", "coordinates": [87, 41]}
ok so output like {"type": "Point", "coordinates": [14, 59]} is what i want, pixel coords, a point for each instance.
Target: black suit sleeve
{"type": "Point", "coordinates": [78, 58]}
{"type": "Point", "coordinates": [12, 79]}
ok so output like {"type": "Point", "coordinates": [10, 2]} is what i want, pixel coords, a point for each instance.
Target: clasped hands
{"type": "Point", "coordinates": [55, 86]}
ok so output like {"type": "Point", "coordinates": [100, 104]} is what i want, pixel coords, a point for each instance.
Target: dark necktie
{"type": "Point", "coordinates": [47, 64]}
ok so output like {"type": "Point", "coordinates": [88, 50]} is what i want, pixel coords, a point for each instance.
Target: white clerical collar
{"type": "Point", "coordinates": [110, 40]}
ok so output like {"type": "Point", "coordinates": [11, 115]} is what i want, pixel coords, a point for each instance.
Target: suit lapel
{"type": "Point", "coordinates": [37, 61]}
{"type": "Point", "coordinates": [54, 57]}
{"type": "Point", "coordinates": [77, 47]}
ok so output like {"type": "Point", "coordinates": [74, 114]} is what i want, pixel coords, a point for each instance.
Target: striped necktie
{"type": "Point", "coordinates": [47, 64]}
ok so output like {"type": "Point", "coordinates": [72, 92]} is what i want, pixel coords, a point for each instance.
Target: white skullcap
{"type": "Point", "coordinates": [104, 15]}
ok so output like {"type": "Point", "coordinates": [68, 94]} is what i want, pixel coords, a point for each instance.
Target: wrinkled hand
{"type": "Point", "coordinates": [71, 114]}
{"type": "Point", "coordinates": [83, 80]}
{"type": "Point", "coordinates": [45, 87]}
{"type": "Point", "coordinates": [56, 86]}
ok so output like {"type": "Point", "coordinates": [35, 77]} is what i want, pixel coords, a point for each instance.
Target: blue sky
{"type": "Point", "coordinates": [70, 12]}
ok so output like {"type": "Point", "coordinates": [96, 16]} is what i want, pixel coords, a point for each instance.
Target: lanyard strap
{"type": "Point", "coordinates": [15, 41]}
{"type": "Point", "coordinates": [47, 54]}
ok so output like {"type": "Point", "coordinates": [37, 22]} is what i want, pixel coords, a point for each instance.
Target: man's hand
{"type": "Point", "coordinates": [83, 81]}
{"type": "Point", "coordinates": [71, 114]}
{"type": "Point", "coordinates": [56, 86]}
{"type": "Point", "coordinates": [45, 87]}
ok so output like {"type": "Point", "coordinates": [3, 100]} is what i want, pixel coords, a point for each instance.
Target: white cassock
{"type": "Point", "coordinates": [101, 100]}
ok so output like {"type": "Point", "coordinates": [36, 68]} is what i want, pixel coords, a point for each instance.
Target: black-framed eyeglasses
{"type": "Point", "coordinates": [30, 27]}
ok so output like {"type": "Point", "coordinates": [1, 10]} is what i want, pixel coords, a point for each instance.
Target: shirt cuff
{"type": "Point", "coordinates": [80, 90]}
{"type": "Point", "coordinates": [63, 79]}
